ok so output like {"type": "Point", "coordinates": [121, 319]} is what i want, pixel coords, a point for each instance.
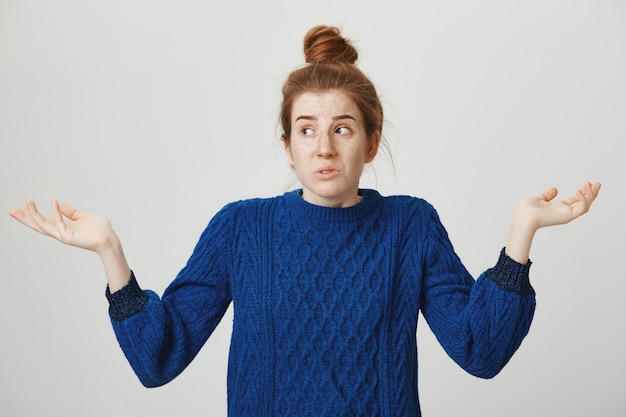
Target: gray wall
{"type": "Point", "coordinates": [157, 113]}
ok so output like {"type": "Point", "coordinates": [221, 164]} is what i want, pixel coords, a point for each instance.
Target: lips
{"type": "Point", "coordinates": [327, 172]}
{"type": "Point", "coordinates": [327, 169]}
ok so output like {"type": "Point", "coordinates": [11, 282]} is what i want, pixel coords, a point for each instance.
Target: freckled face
{"type": "Point", "coordinates": [328, 147]}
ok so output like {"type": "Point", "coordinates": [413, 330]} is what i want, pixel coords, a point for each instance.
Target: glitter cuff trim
{"type": "Point", "coordinates": [511, 275]}
{"type": "Point", "coordinates": [127, 301]}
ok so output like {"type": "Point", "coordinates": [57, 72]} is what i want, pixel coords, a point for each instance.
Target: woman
{"type": "Point", "coordinates": [326, 281]}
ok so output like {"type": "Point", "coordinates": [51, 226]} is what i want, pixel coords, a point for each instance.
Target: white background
{"type": "Point", "coordinates": [157, 113]}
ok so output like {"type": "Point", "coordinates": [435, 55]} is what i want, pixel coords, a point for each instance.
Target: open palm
{"type": "Point", "coordinates": [67, 224]}
{"type": "Point", "coordinates": [545, 211]}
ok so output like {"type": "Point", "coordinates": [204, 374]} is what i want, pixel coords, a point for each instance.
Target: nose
{"type": "Point", "coordinates": [326, 146]}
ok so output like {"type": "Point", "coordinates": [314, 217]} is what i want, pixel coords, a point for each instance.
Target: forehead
{"type": "Point", "coordinates": [323, 104]}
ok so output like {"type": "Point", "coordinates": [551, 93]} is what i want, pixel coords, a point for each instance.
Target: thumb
{"type": "Point", "coordinates": [549, 194]}
{"type": "Point", "coordinates": [70, 212]}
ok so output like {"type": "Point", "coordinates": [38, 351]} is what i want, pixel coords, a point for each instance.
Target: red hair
{"type": "Point", "coordinates": [331, 66]}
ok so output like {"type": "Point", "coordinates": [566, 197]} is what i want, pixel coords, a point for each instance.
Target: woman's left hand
{"type": "Point", "coordinates": [543, 210]}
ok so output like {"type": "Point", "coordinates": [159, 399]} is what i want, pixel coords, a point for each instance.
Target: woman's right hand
{"type": "Point", "coordinates": [83, 230]}
{"type": "Point", "coordinates": [68, 225]}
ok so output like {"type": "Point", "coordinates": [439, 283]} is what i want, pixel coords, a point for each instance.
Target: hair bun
{"type": "Point", "coordinates": [325, 44]}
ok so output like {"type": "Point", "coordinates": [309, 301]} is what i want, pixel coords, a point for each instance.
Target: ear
{"type": "Point", "coordinates": [372, 147]}
{"type": "Point", "coordinates": [287, 149]}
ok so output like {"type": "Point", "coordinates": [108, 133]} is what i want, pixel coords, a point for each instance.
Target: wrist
{"type": "Point", "coordinates": [521, 233]}
{"type": "Point", "coordinates": [111, 245]}
{"type": "Point", "coordinates": [115, 265]}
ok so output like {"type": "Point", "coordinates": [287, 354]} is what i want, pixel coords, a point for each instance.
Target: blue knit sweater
{"type": "Point", "coordinates": [326, 304]}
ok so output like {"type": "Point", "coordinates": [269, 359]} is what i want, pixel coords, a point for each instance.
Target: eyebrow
{"type": "Point", "coordinates": [340, 117]}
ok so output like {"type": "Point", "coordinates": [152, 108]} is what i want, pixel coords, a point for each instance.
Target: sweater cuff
{"type": "Point", "coordinates": [127, 301]}
{"type": "Point", "coordinates": [510, 275]}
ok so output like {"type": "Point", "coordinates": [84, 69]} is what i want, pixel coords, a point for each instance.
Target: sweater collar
{"type": "Point", "coordinates": [296, 204]}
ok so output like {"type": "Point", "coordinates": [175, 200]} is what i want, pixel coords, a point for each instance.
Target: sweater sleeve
{"type": "Point", "coordinates": [480, 323]}
{"type": "Point", "coordinates": [160, 336]}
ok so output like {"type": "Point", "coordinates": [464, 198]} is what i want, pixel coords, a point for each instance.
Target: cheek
{"type": "Point", "coordinates": [296, 157]}
{"type": "Point", "coordinates": [299, 152]}
{"type": "Point", "coordinates": [360, 156]}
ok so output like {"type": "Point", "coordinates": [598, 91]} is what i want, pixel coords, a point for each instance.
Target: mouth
{"type": "Point", "coordinates": [327, 172]}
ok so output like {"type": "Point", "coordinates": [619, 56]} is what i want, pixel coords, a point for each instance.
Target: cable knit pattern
{"type": "Point", "coordinates": [326, 302]}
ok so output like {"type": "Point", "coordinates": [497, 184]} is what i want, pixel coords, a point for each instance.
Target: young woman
{"type": "Point", "coordinates": [326, 281]}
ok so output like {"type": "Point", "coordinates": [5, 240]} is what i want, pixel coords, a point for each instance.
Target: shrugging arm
{"type": "Point", "coordinates": [481, 323]}
{"type": "Point", "coordinates": [161, 336]}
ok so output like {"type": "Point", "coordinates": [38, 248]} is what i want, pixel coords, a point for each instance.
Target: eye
{"type": "Point", "coordinates": [343, 130]}
{"type": "Point", "coordinates": [306, 131]}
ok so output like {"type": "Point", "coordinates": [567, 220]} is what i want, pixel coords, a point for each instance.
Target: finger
{"type": "Point", "coordinates": [36, 218]}
{"type": "Point", "coordinates": [20, 215]}
{"type": "Point", "coordinates": [42, 224]}
{"type": "Point", "coordinates": [589, 190]}
{"type": "Point", "coordinates": [582, 196]}
{"type": "Point", "coordinates": [594, 190]}
{"type": "Point", "coordinates": [589, 193]}
{"type": "Point", "coordinates": [585, 195]}
{"type": "Point", "coordinates": [58, 218]}
{"type": "Point", "coordinates": [549, 194]}
{"type": "Point", "coordinates": [23, 216]}
{"type": "Point", "coordinates": [27, 218]}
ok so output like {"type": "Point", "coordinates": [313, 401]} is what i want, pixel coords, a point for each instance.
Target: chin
{"type": "Point", "coordinates": [330, 193]}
